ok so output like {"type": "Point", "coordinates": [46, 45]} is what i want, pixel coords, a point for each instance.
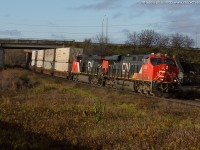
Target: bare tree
{"type": "Point", "coordinates": [133, 39]}
{"type": "Point", "coordinates": [188, 42]}
{"type": "Point", "coordinates": [177, 41]}
{"type": "Point", "coordinates": [163, 41]}
{"type": "Point", "coordinates": [88, 46]}
{"type": "Point", "coordinates": [148, 38]}
{"type": "Point", "coordinates": [103, 44]}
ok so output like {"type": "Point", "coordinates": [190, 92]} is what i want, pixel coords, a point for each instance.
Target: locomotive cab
{"type": "Point", "coordinates": [164, 69]}
{"type": "Point", "coordinates": [160, 72]}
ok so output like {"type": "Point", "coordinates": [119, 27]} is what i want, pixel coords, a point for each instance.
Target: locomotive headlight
{"type": "Point", "coordinates": [167, 67]}
{"type": "Point", "coordinates": [175, 80]}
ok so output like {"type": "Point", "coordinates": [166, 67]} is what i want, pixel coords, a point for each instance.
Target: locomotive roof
{"type": "Point", "coordinates": [113, 58]}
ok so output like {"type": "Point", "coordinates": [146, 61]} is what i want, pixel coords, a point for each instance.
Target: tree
{"type": "Point", "coordinates": [148, 38]}
{"type": "Point", "coordinates": [177, 41]}
{"type": "Point", "coordinates": [103, 44]}
{"type": "Point", "coordinates": [188, 42]}
{"type": "Point", "coordinates": [133, 39]}
{"type": "Point", "coordinates": [88, 46]}
{"type": "Point", "coordinates": [163, 41]}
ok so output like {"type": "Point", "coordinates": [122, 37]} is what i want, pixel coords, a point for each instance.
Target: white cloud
{"type": "Point", "coordinates": [102, 5]}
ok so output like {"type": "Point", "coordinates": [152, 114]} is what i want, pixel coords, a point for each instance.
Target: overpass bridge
{"type": "Point", "coordinates": [30, 44]}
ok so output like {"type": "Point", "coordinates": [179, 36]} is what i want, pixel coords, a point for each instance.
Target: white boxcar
{"type": "Point", "coordinates": [34, 53]}
{"type": "Point", "coordinates": [49, 55]}
{"type": "Point", "coordinates": [48, 65]}
{"type": "Point", "coordinates": [67, 54]}
{"type": "Point", "coordinates": [40, 54]}
{"type": "Point", "coordinates": [39, 64]}
{"type": "Point", "coordinates": [33, 63]}
{"type": "Point", "coordinates": [59, 66]}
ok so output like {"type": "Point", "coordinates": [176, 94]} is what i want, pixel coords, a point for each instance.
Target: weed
{"type": "Point", "coordinates": [55, 114]}
{"type": "Point", "coordinates": [99, 110]}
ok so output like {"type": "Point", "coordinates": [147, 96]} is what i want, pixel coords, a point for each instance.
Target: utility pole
{"type": "Point", "coordinates": [196, 39]}
{"type": "Point", "coordinates": [102, 30]}
{"type": "Point", "coordinates": [101, 42]}
{"type": "Point", "coordinates": [102, 34]}
{"type": "Point", "coordinates": [107, 30]}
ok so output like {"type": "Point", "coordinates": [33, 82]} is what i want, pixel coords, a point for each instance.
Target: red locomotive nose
{"type": "Point", "coordinates": [168, 73]}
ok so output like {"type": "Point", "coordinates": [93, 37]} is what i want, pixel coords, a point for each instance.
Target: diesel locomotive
{"type": "Point", "coordinates": [154, 74]}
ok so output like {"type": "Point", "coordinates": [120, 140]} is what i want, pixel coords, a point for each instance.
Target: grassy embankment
{"type": "Point", "coordinates": [38, 112]}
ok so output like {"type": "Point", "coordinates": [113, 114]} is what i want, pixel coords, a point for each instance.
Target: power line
{"type": "Point", "coordinates": [36, 25]}
{"type": "Point", "coordinates": [89, 26]}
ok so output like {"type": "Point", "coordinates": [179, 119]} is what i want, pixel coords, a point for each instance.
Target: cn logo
{"type": "Point", "coordinates": [125, 67]}
{"type": "Point", "coordinates": [90, 64]}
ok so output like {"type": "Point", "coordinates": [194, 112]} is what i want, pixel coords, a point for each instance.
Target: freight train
{"type": "Point", "coordinates": [153, 74]}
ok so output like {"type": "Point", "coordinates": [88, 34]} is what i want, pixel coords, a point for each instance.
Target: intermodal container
{"type": "Point", "coordinates": [40, 55]}
{"type": "Point", "coordinates": [39, 64]}
{"type": "Point", "coordinates": [49, 55]}
{"type": "Point", "coordinates": [33, 63]}
{"type": "Point", "coordinates": [48, 65]}
{"type": "Point", "coordinates": [62, 67]}
{"type": "Point", "coordinates": [67, 54]}
{"type": "Point", "coordinates": [34, 54]}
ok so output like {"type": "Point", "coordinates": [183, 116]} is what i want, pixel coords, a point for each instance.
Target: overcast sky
{"type": "Point", "coordinates": [80, 19]}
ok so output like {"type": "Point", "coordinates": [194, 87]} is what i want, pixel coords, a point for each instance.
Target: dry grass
{"type": "Point", "coordinates": [38, 112]}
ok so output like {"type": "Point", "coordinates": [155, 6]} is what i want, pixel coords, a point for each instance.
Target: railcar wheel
{"type": "Point", "coordinates": [94, 80]}
{"type": "Point", "coordinates": [75, 78]}
{"type": "Point", "coordinates": [114, 84]}
{"type": "Point", "coordinates": [89, 79]}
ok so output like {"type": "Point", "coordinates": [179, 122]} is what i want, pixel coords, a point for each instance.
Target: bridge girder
{"type": "Point", "coordinates": [33, 44]}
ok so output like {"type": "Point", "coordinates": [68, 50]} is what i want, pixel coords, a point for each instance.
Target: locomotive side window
{"type": "Point", "coordinates": [156, 61]}
{"type": "Point", "coordinates": [169, 62]}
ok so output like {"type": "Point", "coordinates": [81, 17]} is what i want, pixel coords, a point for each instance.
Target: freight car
{"type": "Point", "coordinates": [56, 62]}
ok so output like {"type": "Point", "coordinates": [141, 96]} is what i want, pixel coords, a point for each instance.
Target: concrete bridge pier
{"type": "Point", "coordinates": [1, 58]}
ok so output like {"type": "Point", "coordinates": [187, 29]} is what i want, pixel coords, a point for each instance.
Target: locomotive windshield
{"type": "Point", "coordinates": [169, 62]}
{"type": "Point", "coordinates": [158, 61]}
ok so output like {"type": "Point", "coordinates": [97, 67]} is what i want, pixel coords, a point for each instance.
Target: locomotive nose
{"type": "Point", "coordinates": [170, 74]}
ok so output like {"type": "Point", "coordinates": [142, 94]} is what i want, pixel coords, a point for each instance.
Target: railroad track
{"type": "Point", "coordinates": [194, 102]}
